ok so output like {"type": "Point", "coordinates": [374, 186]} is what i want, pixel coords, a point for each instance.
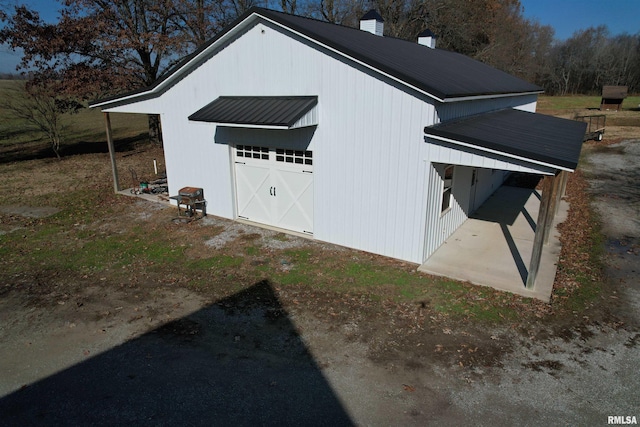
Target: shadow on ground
{"type": "Point", "coordinates": [239, 361]}
{"type": "Point", "coordinates": [510, 208]}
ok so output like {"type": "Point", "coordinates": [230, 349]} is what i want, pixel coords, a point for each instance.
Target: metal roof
{"type": "Point", "coordinates": [442, 74]}
{"type": "Point", "coordinates": [545, 139]}
{"type": "Point", "coordinates": [259, 111]}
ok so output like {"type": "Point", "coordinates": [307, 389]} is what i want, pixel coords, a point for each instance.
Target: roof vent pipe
{"type": "Point", "coordinates": [427, 38]}
{"type": "Point", "coordinates": [372, 22]}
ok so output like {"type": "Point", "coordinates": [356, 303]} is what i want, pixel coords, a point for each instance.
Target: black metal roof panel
{"type": "Point", "coordinates": [281, 111]}
{"type": "Point", "coordinates": [532, 136]}
{"type": "Point", "coordinates": [439, 72]}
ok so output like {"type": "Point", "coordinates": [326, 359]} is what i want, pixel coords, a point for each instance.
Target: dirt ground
{"type": "Point", "coordinates": [92, 352]}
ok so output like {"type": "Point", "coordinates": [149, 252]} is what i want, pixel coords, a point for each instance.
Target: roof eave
{"type": "Point", "coordinates": [468, 142]}
{"type": "Point", "coordinates": [284, 126]}
{"type": "Point", "coordinates": [462, 98]}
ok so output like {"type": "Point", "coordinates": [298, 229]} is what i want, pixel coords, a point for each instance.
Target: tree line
{"type": "Point", "coordinates": [103, 47]}
{"type": "Point", "coordinates": [590, 59]}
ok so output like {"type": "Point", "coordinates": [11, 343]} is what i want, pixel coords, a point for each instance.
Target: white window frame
{"type": "Point", "coordinates": [447, 188]}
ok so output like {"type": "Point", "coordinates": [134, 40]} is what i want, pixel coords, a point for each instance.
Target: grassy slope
{"type": "Point", "coordinates": [87, 126]}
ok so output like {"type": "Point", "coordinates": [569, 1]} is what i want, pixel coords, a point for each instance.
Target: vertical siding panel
{"type": "Point", "coordinates": [375, 130]}
{"type": "Point", "coordinates": [433, 213]}
{"type": "Point", "coordinates": [429, 112]}
{"type": "Point", "coordinates": [400, 142]}
{"type": "Point", "coordinates": [405, 242]}
{"type": "Point", "coordinates": [455, 110]}
{"type": "Point", "coordinates": [392, 136]}
{"type": "Point", "coordinates": [442, 226]}
{"type": "Point", "coordinates": [361, 155]}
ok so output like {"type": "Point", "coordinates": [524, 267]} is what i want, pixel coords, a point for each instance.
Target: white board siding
{"type": "Point", "coordinates": [456, 110]}
{"type": "Point", "coordinates": [149, 106]}
{"type": "Point", "coordinates": [369, 195]}
{"type": "Point", "coordinates": [440, 152]}
{"type": "Point", "coordinates": [488, 181]}
{"type": "Point", "coordinates": [193, 159]}
{"type": "Point", "coordinates": [441, 225]}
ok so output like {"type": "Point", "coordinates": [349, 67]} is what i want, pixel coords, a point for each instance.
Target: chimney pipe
{"type": "Point", "coordinates": [372, 22]}
{"type": "Point", "coordinates": [427, 38]}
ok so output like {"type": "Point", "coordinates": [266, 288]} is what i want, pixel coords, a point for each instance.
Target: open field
{"type": "Point", "coordinates": [84, 132]}
{"type": "Point", "coordinates": [619, 124]}
{"type": "Point", "coordinates": [558, 104]}
{"type": "Point", "coordinates": [111, 309]}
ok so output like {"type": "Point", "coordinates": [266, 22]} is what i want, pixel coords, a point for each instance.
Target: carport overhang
{"type": "Point", "coordinates": [523, 141]}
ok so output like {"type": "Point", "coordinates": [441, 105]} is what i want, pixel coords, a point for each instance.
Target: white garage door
{"type": "Point", "coordinates": [275, 186]}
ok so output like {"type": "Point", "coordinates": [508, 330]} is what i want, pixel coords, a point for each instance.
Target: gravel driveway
{"type": "Point", "coordinates": [110, 357]}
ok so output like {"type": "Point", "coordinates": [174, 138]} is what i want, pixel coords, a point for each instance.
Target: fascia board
{"type": "Point", "coordinates": [501, 153]}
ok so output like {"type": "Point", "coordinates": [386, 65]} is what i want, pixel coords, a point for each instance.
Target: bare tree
{"type": "Point", "coordinates": [98, 47]}
{"type": "Point", "coordinates": [289, 6]}
{"type": "Point", "coordinates": [343, 12]}
{"type": "Point", "coordinates": [40, 108]}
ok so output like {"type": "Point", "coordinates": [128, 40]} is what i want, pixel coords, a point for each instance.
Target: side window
{"type": "Point", "coordinates": [447, 184]}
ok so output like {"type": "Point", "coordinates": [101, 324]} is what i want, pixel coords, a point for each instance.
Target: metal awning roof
{"type": "Point", "coordinates": [269, 112]}
{"type": "Point", "coordinates": [545, 140]}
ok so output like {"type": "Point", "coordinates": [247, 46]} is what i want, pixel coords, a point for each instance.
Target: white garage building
{"type": "Point", "coordinates": [349, 137]}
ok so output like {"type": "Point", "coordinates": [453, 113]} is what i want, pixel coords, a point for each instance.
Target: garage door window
{"type": "Point", "coordinates": [294, 156]}
{"type": "Point", "coordinates": [252, 152]}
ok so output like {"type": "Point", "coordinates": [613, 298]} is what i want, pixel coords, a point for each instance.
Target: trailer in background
{"type": "Point", "coordinates": [595, 126]}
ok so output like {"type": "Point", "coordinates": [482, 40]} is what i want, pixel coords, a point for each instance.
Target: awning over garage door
{"type": "Point", "coordinates": [533, 137]}
{"type": "Point", "coordinates": [266, 112]}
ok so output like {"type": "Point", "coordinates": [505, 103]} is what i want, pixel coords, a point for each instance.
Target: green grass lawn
{"type": "Point", "coordinates": [578, 102]}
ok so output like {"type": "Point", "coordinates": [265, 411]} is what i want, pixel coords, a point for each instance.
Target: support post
{"type": "Point", "coordinates": [553, 207]}
{"type": "Point", "coordinates": [538, 240]}
{"type": "Point", "coordinates": [112, 152]}
{"type": "Point", "coordinates": [565, 179]}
